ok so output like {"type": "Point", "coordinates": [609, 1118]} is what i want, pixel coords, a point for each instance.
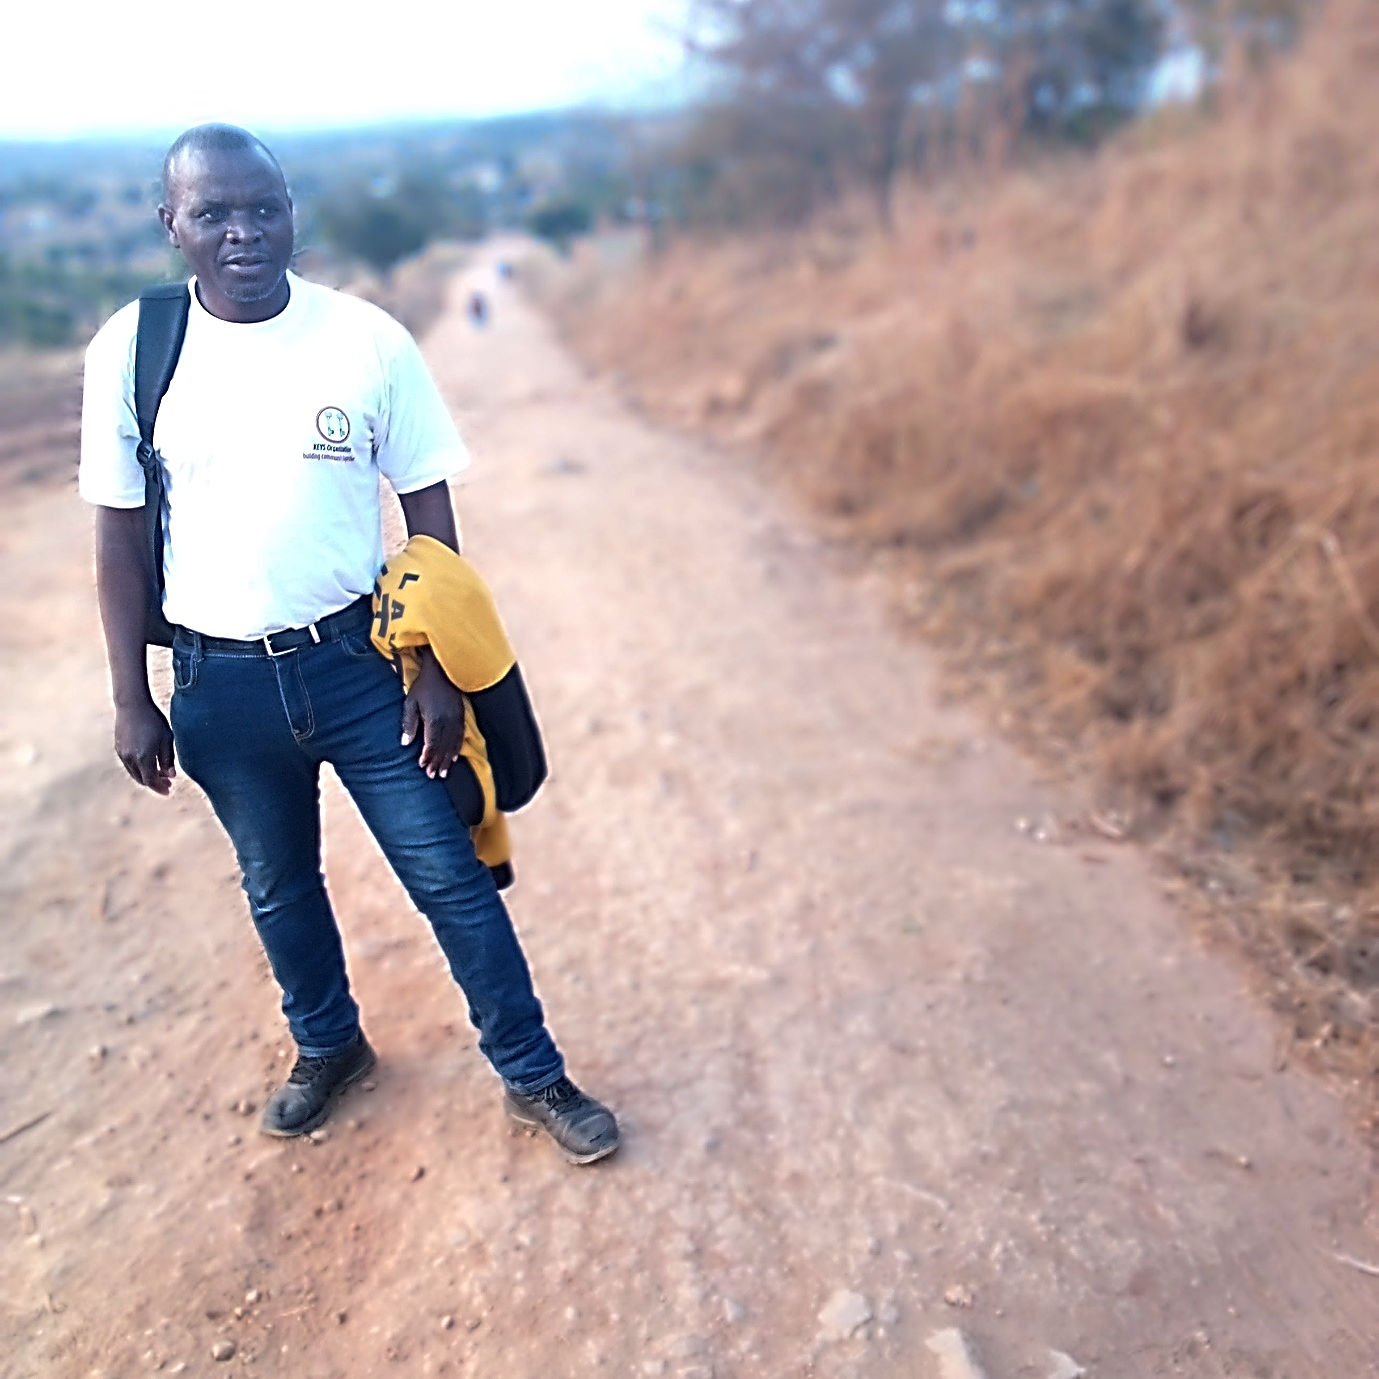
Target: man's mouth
{"type": "Point", "coordinates": [246, 261]}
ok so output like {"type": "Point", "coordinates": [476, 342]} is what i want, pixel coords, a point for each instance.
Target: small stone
{"type": "Point", "coordinates": [368, 1085]}
{"type": "Point", "coordinates": [843, 1314]}
{"type": "Point", "coordinates": [296, 1168]}
{"type": "Point", "coordinates": [223, 1350]}
{"type": "Point", "coordinates": [233, 1141]}
{"type": "Point", "coordinates": [245, 1107]}
{"type": "Point", "coordinates": [97, 1054]}
{"type": "Point", "coordinates": [341, 1318]}
{"type": "Point", "coordinates": [473, 1324]}
{"type": "Point", "coordinates": [733, 1311]}
{"type": "Point", "coordinates": [447, 1323]}
{"type": "Point", "coordinates": [36, 1014]}
{"type": "Point", "coordinates": [252, 1296]}
{"type": "Point", "coordinates": [954, 1352]}
{"type": "Point", "coordinates": [319, 1136]}
{"type": "Point", "coordinates": [956, 1295]}
{"type": "Point", "coordinates": [1064, 1366]}
{"type": "Point", "coordinates": [418, 1173]}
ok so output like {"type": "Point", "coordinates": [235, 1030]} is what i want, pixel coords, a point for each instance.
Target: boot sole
{"type": "Point", "coordinates": [323, 1115]}
{"type": "Point", "coordinates": [568, 1155]}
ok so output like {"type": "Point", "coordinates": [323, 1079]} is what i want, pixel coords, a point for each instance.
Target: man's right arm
{"type": "Point", "coordinates": [143, 739]}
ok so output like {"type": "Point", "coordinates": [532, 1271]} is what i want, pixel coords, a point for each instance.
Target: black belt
{"type": "Point", "coordinates": [354, 618]}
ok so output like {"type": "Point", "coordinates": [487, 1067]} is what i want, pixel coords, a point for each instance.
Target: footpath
{"type": "Point", "coordinates": [894, 1053]}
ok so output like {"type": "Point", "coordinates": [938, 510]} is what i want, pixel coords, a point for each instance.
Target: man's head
{"type": "Point", "coordinates": [225, 206]}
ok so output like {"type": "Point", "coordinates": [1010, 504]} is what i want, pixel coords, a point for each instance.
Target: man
{"type": "Point", "coordinates": [287, 402]}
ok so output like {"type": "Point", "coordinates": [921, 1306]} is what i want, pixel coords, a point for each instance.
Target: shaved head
{"type": "Point", "coordinates": [211, 138]}
{"type": "Point", "coordinates": [226, 208]}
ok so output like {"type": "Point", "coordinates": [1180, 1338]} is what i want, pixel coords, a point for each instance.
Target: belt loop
{"type": "Point", "coordinates": [198, 650]}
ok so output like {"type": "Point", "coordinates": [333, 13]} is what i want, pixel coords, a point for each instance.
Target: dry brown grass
{"type": "Point", "coordinates": [40, 417]}
{"type": "Point", "coordinates": [1118, 426]}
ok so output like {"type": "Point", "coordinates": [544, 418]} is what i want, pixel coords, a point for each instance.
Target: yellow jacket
{"type": "Point", "coordinates": [426, 595]}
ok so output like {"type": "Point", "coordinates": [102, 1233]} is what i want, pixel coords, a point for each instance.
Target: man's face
{"type": "Point", "coordinates": [229, 213]}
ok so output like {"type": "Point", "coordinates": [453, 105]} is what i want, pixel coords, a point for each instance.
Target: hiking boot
{"type": "Point", "coordinates": [582, 1128]}
{"type": "Point", "coordinates": [304, 1100]}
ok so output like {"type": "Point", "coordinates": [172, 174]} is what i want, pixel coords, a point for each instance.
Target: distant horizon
{"type": "Point", "coordinates": [401, 124]}
{"type": "Point", "coordinates": [85, 72]}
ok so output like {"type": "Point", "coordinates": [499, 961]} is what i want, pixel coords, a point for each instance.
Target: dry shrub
{"type": "Point", "coordinates": [1121, 417]}
{"type": "Point", "coordinates": [414, 292]}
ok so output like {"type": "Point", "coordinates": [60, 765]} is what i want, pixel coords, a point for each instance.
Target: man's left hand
{"type": "Point", "coordinates": [435, 705]}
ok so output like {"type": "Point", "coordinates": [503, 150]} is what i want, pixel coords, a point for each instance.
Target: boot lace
{"type": "Point", "coordinates": [560, 1092]}
{"type": "Point", "coordinates": [305, 1069]}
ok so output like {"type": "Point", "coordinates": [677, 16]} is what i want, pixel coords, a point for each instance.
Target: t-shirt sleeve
{"type": "Point", "coordinates": [109, 472]}
{"type": "Point", "coordinates": [419, 445]}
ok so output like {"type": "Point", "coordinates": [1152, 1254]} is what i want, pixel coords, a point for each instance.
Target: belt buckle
{"type": "Point", "coordinates": [267, 640]}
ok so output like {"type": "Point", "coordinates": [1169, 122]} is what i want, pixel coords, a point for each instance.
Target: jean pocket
{"type": "Point", "coordinates": [358, 644]}
{"type": "Point", "coordinates": [184, 664]}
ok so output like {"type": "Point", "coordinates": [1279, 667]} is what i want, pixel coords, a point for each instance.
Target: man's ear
{"type": "Point", "coordinates": [169, 225]}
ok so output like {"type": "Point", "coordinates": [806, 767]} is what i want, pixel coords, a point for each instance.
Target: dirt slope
{"type": "Point", "coordinates": [866, 1035]}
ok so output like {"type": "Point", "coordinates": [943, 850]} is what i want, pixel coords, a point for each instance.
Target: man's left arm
{"type": "Point", "coordinates": [433, 703]}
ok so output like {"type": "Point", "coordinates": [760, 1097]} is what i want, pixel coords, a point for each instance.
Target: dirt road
{"type": "Point", "coordinates": [880, 1055]}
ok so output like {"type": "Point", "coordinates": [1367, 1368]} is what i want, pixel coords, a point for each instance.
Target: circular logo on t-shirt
{"type": "Point", "coordinates": [333, 424]}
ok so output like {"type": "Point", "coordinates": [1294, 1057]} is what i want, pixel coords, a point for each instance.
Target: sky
{"type": "Point", "coordinates": [90, 67]}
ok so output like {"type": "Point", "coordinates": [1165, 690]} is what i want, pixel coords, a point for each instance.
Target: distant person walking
{"type": "Point", "coordinates": [287, 403]}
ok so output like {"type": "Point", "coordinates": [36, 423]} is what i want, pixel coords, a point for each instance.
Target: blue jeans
{"type": "Point", "coordinates": [252, 731]}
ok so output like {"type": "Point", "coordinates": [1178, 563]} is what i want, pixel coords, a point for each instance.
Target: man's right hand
{"type": "Point", "coordinates": [143, 740]}
{"type": "Point", "coordinates": [143, 743]}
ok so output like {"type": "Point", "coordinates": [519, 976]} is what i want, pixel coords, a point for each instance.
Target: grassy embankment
{"type": "Point", "coordinates": [1115, 425]}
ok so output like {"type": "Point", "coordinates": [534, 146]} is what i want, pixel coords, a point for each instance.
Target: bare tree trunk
{"type": "Point", "coordinates": [887, 128]}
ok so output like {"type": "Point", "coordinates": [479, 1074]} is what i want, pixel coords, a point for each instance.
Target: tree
{"type": "Point", "coordinates": [560, 221]}
{"type": "Point", "coordinates": [873, 59]}
{"type": "Point", "coordinates": [871, 82]}
{"type": "Point", "coordinates": [1081, 65]}
{"type": "Point", "coordinates": [380, 230]}
{"type": "Point", "coordinates": [1255, 27]}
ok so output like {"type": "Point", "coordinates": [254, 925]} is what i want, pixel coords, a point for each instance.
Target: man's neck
{"type": "Point", "coordinates": [247, 313]}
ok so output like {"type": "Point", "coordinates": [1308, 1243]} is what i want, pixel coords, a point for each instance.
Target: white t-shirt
{"type": "Point", "coordinates": [273, 435]}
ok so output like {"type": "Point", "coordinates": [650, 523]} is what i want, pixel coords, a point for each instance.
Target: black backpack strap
{"type": "Point", "coordinates": [163, 312]}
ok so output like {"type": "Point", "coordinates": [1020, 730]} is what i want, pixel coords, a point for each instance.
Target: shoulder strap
{"type": "Point", "coordinates": [163, 312]}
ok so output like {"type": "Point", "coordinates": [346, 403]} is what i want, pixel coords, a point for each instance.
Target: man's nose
{"type": "Point", "coordinates": [241, 226]}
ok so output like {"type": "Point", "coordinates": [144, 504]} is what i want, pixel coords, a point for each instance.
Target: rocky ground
{"type": "Point", "coordinates": [902, 1049]}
